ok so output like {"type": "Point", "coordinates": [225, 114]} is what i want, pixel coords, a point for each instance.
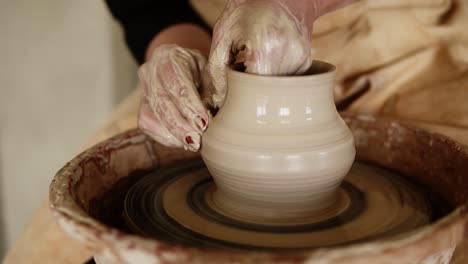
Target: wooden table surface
{"type": "Point", "coordinates": [43, 242]}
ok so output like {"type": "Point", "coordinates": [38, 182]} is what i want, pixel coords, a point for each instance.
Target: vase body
{"type": "Point", "coordinates": [278, 149]}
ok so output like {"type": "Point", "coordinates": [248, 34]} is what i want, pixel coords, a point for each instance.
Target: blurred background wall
{"type": "Point", "coordinates": [64, 66]}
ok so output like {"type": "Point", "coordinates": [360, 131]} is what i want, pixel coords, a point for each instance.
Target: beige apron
{"type": "Point", "coordinates": [411, 57]}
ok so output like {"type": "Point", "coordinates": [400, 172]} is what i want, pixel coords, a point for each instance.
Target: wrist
{"type": "Point", "coordinates": [303, 12]}
{"type": "Point", "coordinates": [307, 11]}
{"type": "Point", "coordinates": [181, 35]}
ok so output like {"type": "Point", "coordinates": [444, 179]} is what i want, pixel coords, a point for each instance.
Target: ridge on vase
{"type": "Point", "coordinates": [278, 149]}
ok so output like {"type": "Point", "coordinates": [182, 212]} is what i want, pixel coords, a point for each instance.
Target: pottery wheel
{"type": "Point", "coordinates": [176, 205]}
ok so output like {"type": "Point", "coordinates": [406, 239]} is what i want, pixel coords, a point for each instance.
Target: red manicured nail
{"type": "Point", "coordinates": [189, 140]}
{"type": "Point", "coordinates": [201, 126]}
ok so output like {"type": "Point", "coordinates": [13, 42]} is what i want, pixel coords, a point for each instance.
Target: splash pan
{"type": "Point", "coordinates": [88, 196]}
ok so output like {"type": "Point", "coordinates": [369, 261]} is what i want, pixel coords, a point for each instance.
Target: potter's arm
{"type": "Point", "coordinates": [142, 20]}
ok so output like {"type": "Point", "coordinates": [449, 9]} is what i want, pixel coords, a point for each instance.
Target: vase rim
{"type": "Point", "coordinates": [318, 69]}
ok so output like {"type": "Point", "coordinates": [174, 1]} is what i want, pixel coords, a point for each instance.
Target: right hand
{"type": "Point", "coordinates": [273, 36]}
{"type": "Point", "coordinates": [171, 110]}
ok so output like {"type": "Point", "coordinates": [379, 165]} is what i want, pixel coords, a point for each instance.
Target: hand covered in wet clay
{"type": "Point", "coordinates": [273, 35]}
{"type": "Point", "coordinates": [171, 111]}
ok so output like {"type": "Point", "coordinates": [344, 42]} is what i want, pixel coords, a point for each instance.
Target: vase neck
{"type": "Point", "coordinates": [279, 101]}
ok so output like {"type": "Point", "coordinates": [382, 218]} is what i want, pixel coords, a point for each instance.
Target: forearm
{"type": "Point", "coordinates": [142, 20]}
{"type": "Point", "coordinates": [307, 11]}
{"type": "Point", "coordinates": [185, 35]}
{"type": "Point", "coordinates": [326, 6]}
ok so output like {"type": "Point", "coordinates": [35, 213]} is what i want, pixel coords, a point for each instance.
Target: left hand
{"type": "Point", "coordinates": [171, 110]}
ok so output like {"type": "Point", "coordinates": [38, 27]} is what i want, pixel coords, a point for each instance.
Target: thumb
{"type": "Point", "coordinates": [216, 81]}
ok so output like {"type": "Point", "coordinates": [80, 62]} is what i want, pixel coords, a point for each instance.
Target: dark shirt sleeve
{"type": "Point", "coordinates": [141, 20]}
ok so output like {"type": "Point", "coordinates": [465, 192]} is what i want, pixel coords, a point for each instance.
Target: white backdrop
{"type": "Point", "coordinates": [63, 67]}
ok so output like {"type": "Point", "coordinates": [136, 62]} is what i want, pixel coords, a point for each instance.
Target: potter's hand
{"type": "Point", "coordinates": [171, 111]}
{"type": "Point", "coordinates": [274, 36]}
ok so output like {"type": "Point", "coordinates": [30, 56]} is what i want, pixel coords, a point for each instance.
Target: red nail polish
{"type": "Point", "coordinates": [189, 140]}
{"type": "Point", "coordinates": [203, 122]}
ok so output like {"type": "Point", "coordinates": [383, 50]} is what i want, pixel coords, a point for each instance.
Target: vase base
{"type": "Point", "coordinates": [176, 205]}
{"type": "Point", "coordinates": [338, 204]}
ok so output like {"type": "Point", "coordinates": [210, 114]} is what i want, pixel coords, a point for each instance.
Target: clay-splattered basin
{"type": "Point", "coordinates": [87, 196]}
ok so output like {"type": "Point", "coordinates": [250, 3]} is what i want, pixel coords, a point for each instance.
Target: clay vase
{"type": "Point", "coordinates": [278, 149]}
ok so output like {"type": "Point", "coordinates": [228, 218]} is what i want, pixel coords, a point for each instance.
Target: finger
{"type": "Point", "coordinates": [249, 56]}
{"type": "Point", "coordinates": [151, 126]}
{"type": "Point", "coordinates": [167, 112]}
{"type": "Point", "coordinates": [220, 57]}
{"type": "Point", "coordinates": [184, 74]}
{"type": "Point", "coordinates": [293, 59]}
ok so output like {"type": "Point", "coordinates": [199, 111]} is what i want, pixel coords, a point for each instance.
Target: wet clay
{"type": "Point", "coordinates": [178, 206]}
{"type": "Point", "coordinates": [278, 148]}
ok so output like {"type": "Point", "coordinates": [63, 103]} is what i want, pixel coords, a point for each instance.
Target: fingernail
{"type": "Point", "coordinates": [189, 140]}
{"type": "Point", "coordinates": [204, 122]}
{"type": "Point", "coordinates": [201, 123]}
{"type": "Point", "coordinates": [192, 141]}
